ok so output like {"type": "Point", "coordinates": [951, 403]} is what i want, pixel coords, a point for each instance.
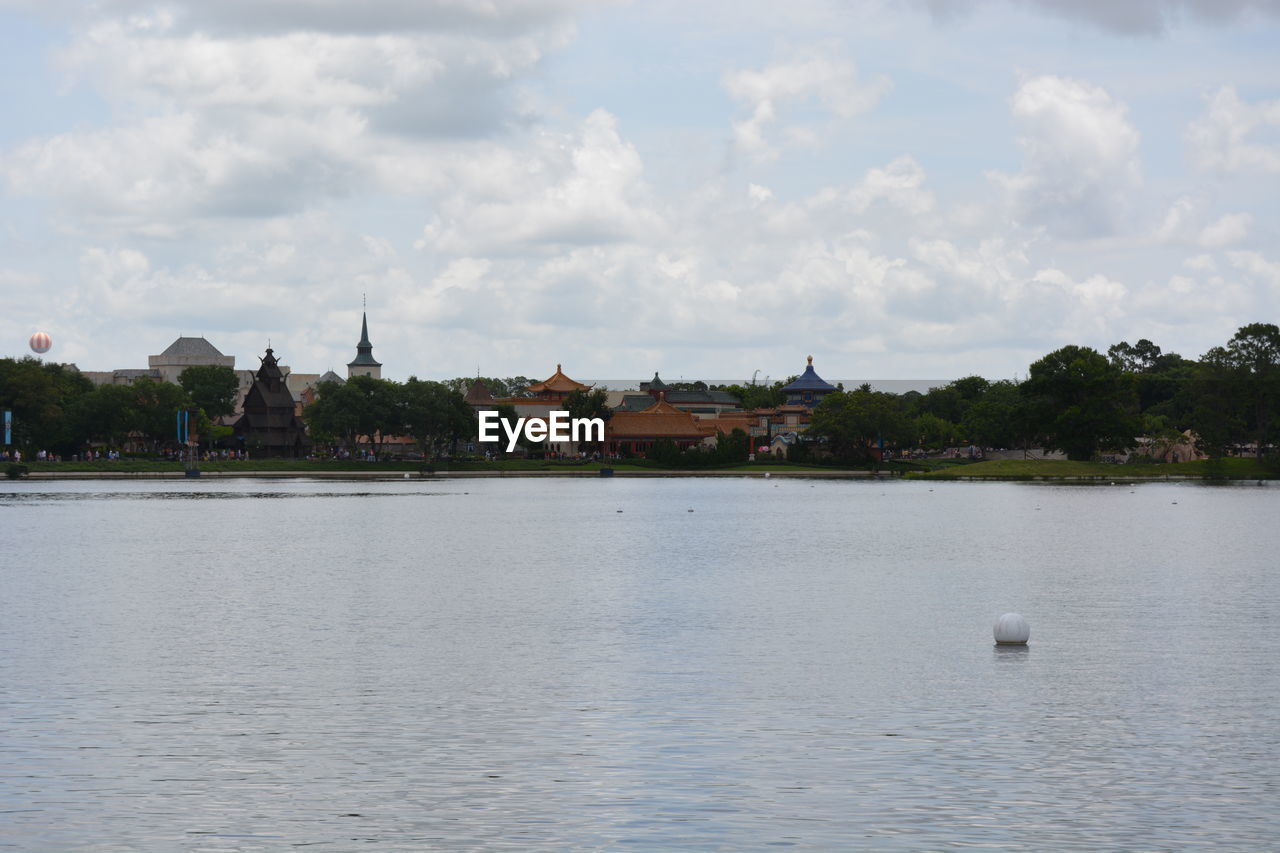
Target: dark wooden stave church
{"type": "Point", "coordinates": [270, 425]}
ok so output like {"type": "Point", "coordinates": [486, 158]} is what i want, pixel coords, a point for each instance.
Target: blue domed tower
{"type": "Point", "coordinates": [808, 390]}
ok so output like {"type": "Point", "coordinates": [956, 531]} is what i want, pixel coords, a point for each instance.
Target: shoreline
{"type": "Point", "coordinates": [439, 475]}
{"type": "Point", "coordinates": [400, 476]}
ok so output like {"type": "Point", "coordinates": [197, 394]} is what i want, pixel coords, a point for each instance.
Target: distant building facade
{"type": "Point", "coordinates": [188, 352]}
{"type": "Point", "coordinates": [167, 366]}
{"type": "Point", "coordinates": [705, 404]}
{"type": "Point", "coordinates": [632, 433]}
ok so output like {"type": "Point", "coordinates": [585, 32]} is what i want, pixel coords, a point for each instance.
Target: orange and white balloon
{"type": "Point", "coordinates": [41, 342]}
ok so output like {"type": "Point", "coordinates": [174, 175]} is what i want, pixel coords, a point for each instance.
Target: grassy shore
{"type": "Point", "coordinates": [930, 469]}
{"type": "Point", "coordinates": [1056, 469]}
{"type": "Point", "coordinates": [304, 467]}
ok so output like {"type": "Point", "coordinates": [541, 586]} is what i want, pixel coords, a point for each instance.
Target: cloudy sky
{"type": "Point", "coordinates": [902, 189]}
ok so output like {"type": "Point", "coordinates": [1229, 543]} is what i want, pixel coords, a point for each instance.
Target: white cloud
{"type": "Point", "coordinates": [1226, 140]}
{"type": "Point", "coordinates": [759, 194]}
{"type": "Point", "coordinates": [899, 183]}
{"type": "Point", "coordinates": [1200, 263]}
{"type": "Point", "coordinates": [1227, 231]}
{"type": "Point", "coordinates": [246, 123]}
{"type": "Point", "coordinates": [569, 190]}
{"type": "Point", "coordinates": [1136, 17]}
{"type": "Point", "coordinates": [1257, 266]}
{"type": "Point", "coordinates": [768, 93]}
{"type": "Point", "coordinates": [1081, 167]}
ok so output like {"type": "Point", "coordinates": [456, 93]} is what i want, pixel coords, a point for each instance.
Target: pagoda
{"type": "Point", "coordinates": [556, 387]}
{"type": "Point", "coordinates": [270, 424]}
{"type": "Point", "coordinates": [807, 390]}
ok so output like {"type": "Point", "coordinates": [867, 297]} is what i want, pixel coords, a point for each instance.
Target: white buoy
{"type": "Point", "coordinates": [1012, 630]}
{"type": "Point", "coordinates": [406, 476]}
{"type": "Point", "coordinates": [766, 475]}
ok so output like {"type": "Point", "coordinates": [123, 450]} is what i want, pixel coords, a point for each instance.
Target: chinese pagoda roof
{"type": "Point", "coordinates": [809, 381]}
{"type": "Point", "coordinates": [656, 385]}
{"type": "Point", "coordinates": [557, 382]}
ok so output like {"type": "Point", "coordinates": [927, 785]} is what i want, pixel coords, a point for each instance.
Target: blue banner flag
{"type": "Point", "coordinates": [8, 427]}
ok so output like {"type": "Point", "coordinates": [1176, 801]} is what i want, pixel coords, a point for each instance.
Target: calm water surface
{"type": "Point", "coordinates": [514, 664]}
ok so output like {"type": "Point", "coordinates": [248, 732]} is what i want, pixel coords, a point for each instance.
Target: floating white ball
{"type": "Point", "coordinates": [40, 343]}
{"type": "Point", "coordinates": [1011, 629]}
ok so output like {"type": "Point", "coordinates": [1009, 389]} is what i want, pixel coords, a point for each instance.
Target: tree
{"type": "Point", "coordinates": [107, 414]}
{"type": "Point", "coordinates": [212, 387]}
{"type": "Point", "coordinates": [40, 396]}
{"type": "Point", "coordinates": [733, 448]}
{"type": "Point", "coordinates": [1217, 395]}
{"type": "Point", "coordinates": [434, 414]}
{"type": "Point", "coordinates": [377, 407]}
{"type": "Point", "coordinates": [753, 396]}
{"type": "Point", "coordinates": [1254, 352]}
{"type": "Point", "coordinates": [1001, 418]}
{"type": "Point", "coordinates": [335, 414]}
{"type": "Point", "coordinates": [933, 431]}
{"type": "Point", "coordinates": [1141, 357]}
{"type": "Point", "coordinates": [1081, 402]}
{"type": "Point", "coordinates": [854, 423]}
{"type": "Point", "coordinates": [512, 386]}
{"type": "Point", "coordinates": [155, 408]}
{"type": "Point", "coordinates": [589, 404]}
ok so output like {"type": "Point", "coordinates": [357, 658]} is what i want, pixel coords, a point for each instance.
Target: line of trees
{"type": "Point", "coordinates": [1079, 401]}
{"type": "Point", "coordinates": [56, 408]}
{"type": "Point", "coordinates": [434, 414]}
{"type": "Point", "coordinates": [1074, 399]}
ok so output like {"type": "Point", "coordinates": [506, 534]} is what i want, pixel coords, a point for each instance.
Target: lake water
{"type": "Point", "coordinates": [514, 664]}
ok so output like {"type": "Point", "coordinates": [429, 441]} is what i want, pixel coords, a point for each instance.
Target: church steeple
{"type": "Point", "coordinates": [364, 364]}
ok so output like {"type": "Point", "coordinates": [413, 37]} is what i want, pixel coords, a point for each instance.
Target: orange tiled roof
{"type": "Point", "coordinates": [526, 401]}
{"type": "Point", "coordinates": [661, 420]}
{"type": "Point", "coordinates": [727, 423]}
{"type": "Point", "coordinates": [557, 382]}
{"type": "Point", "coordinates": [641, 425]}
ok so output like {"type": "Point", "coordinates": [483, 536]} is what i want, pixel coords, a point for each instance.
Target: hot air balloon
{"type": "Point", "coordinates": [41, 343]}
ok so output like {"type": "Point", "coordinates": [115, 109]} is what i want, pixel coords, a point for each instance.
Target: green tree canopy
{"type": "Point", "coordinates": [753, 396]}
{"type": "Point", "coordinates": [212, 387]}
{"type": "Point", "coordinates": [856, 422]}
{"type": "Point", "coordinates": [1001, 418]}
{"type": "Point", "coordinates": [155, 407]}
{"type": "Point", "coordinates": [435, 415]}
{"type": "Point", "coordinates": [40, 396]}
{"type": "Point", "coordinates": [1082, 403]}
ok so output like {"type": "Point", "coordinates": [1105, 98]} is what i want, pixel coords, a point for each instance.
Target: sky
{"type": "Point", "coordinates": [710, 189]}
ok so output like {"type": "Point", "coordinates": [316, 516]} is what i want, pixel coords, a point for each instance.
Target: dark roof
{"type": "Point", "coordinates": [656, 385]}
{"type": "Point", "coordinates": [478, 395]}
{"type": "Point", "coordinates": [364, 349]}
{"type": "Point", "coordinates": [702, 397]}
{"type": "Point", "coordinates": [330, 376]}
{"type": "Point", "coordinates": [634, 403]}
{"type": "Point", "coordinates": [809, 381]}
{"type": "Point", "coordinates": [192, 347]}
{"type": "Point", "coordinates": [682, 399]}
